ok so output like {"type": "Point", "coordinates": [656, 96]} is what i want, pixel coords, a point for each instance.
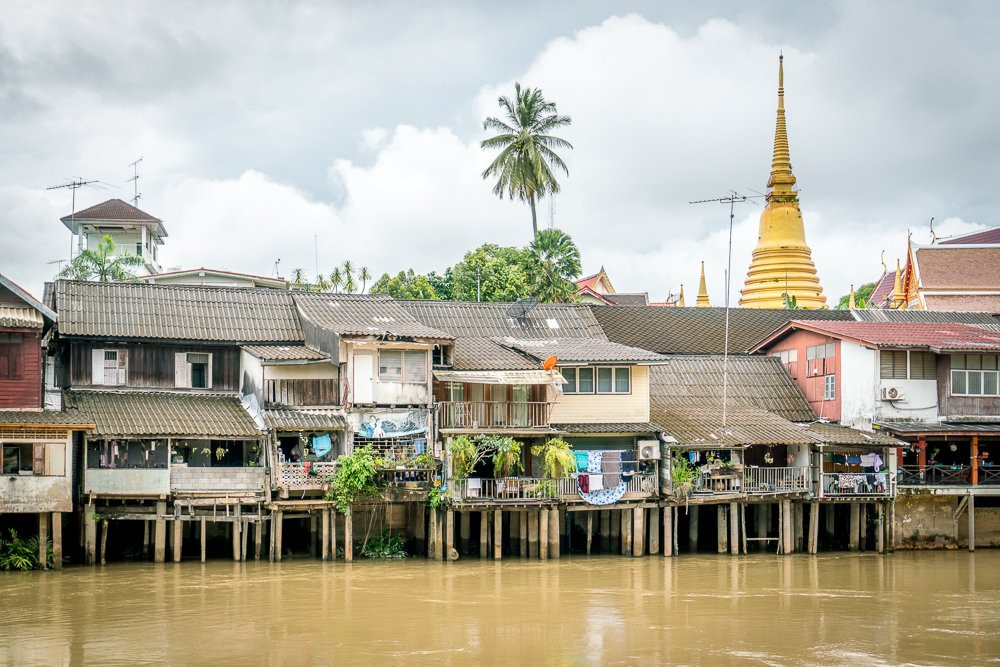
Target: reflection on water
{"type": "Point", "coordinates": [927, 608]}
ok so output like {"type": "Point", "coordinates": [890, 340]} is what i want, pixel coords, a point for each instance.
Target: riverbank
{"type": "Point", "coordinates": [940, 608]}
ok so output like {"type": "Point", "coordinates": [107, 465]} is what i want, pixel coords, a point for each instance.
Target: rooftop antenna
{"type": "Point", "coordinates": [135, 182]}
{"type": "Point", "coordinates": [74, 185]}
{"type": "Point", "coordinates": [552, 211]}
{"type": "Point", "coordinates": [732, 199]}
{"type": "Point", "coordinates": [274, 271]}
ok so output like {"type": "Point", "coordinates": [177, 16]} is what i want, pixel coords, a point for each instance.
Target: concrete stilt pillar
{"type": "Point", "coordinates": [178, 539]}
{"type": "Point", "coordinates": [258, 530]}
{"type": "Point", "coordinates": [523, 539]}
{"type": "Point", "coordinates": [145, 540]}
{"type": "Point", "coordinates": [464, 531]}
{"type": "Point", "coordinates": [855, 527]}
{"type": "Point", "coordinates": [787, 543]}
{"type": "Point", "coordinates": [722, 532]}
{"type": "Point", "coordinates": [484, 534]}
{"type": "Point", "coordinates": [798, 516]}
{"type": "Point", "coordinates": [204, 536]}
{"type": "Point", "coordinates": [668, 531]}
{"type": "Point", "coordinates": [734, 529]}
{"type": "Point", "coordinates": [238, 529]}
{"type": "Point", "coordinates": [277, 521]}
{"type": "Point", "coordinates": [313, 536]}
{"type": "Point", "coordinates": [605, 527]}
{"type": "Point", "coordinates": [880, 528]}
{"type": "Point", "coordinates": [693, 528]}
{"type": "Point", "coordinates": [615, 539]}
{"type": "Point", "coordinates": [160, 533]}
{"type": "Point", "coordinates": [349, 535]}
{"type": "Point", "coordinates": [433, 535]}
{"type": "Point", "coordinates": [57, 545]}
{"type": "Point", "coordinates": [325, 535]}
{"type": "Point", "coordinates": [654, 531]}
{"type": "Point", "coordinates": [638, 532]}
{"type": "Point", "coordinates": [590, 531]}
{"type": "Point", "coordinates": [554, 533]}
{"type": "Point", "coordinates": [862, 526]}
{"type": "Point", "coordinates": [449, 534]}
{"type": "Point", "coordinates": [625, 524]}
{"type": "Point", "coordinates": [972, 522]}
{"type": "Point", "coordinates": [830, 520]}
{"type": "Point", "coordinates": [43, 540]}
{"type": "Point", "coordinates": [543, 533]}
{"type": "Point", "coordinates": [813, 527]}
{"type": "Point", "coordinates": [104, 541]}
{"type": "Point", "coordinates": [497, 534]}
{"type": "Point", "coordinates": [512, 531]}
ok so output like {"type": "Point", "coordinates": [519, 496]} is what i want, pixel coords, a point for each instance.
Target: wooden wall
{"type": "Point", "coordinates": [949, 405]}
{"type": "Point", "coordinates": [26, 391]}
{"type": "Point", "coordinates": [151, 365]}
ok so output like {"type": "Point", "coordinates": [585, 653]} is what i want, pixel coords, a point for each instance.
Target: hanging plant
{"type": "Point", "coordinates": [558, 460]}
{"type": "Point", "coordinates": [464, 456]}
{"type": "Point", "coordinates": [506, 454]}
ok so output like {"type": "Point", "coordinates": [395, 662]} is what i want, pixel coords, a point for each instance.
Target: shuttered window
{"type": "Point", "coordinates": [42, 458]}
{"type": "Point", "coordinates": [10, 361]}
{"type": "Point", "coordinates": [390, 365]}
{"type": "Point", "coordinates": [415, 366]}
{"type": "Point", "coordinates": [923, 366]}
{"type": "Point", "coordinates": [892, 364]}
{"type": "Point", "coordinates": [402, 366]}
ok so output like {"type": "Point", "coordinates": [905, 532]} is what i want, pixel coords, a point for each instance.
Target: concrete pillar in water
{"type": "Point", "coordinates": [238, 530]}
{"type": "Point", "coordinates": [638, 532]}
{"type": "Point", "coordinates": [57, 546]}
{"type": "Point", "coordinates": [160, 533]}
{"type": "Point", "coordinates": [523, 528]}
{"type": "Point", "coordinates": [798, 516]}
{"type": "Point", "coordinates": [880, 535]}
{"type": "Point", "coordinates": [813, 527]}
{"type": "Point", "coordinates": [277, 521]}
{"type": "Point", "coordinates": [512, 531]}
{"type": "Point", "coordinates": [204, 537]}
{"type": "Point", "coordinates": [177, 541]}
{"type": "Point", "coordinates": [831, 520]}
{"type": "Point", "coordinates": [104, 541]}
{"type": "Point", "coordinates": [497, 534]}
{"type": "Point", "coordinates": [258, 530]}
{"type": "Point", "coordinates": [541, 520]}
{"type": "Point", "coordinates": [43, 539]}
{"type": "Point", "coordinates": [464, 531]}
{"type": "Point", "coordinates": [419, 528]}
{"type": "Point", "coordinates": [734, 529]}
{"type": "Point", "coordinates": [349, 535]}
{"type": "Point", "coordinates": [449, 534]}
{"type": "Point", "coordinates": [433, 534]}
{"type": "Point", "coordinates": [972, 522]}
{"type": "Point", "coordinates": [787, 544]}
{"type": "Point", "coordinates": [862, 526]}
{"type": "Point", "coordinates": [668, 531]}
{"type": "Point", "coordinates": [325, 535]}
{"type": "Point", "coordinates": [855, 527]}
{"type": "Point", "coordinates": [693, 528]}
{"type": "Point", "coordinates": [654, 531]}
{"type": "Point", "coordinates": [722, 529]}
{"type": "Point", "coordinates": [145, 540]}
{"type": "Point", "coordinates": [590, 531]}
{"type": "Point", "coordinates": [625, 519]}
{"type": "Point", "coordinates": [614, 538]}
{"type": "Point", "coordinates": [554, 533]}
{"type": "Point", "coordinates": [484, 534]}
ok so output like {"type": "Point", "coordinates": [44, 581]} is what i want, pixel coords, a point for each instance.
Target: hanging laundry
{"type": "Point", "coordinates": [582, 460]}
{"type": "Point", "coordinates": [596, 482]}
{"type": "Point", "coordinates": [630, 461]}
{"type": "Point", "coordinates": [583, 481]}
{"type": "Point", "coordinates": [321, 444]}
{"type": "Point", "coordinates": [868, 460]}
{"type": "Point", "coordinates": [604, 496]}
{"type": "Point", "coordinates": [854, 460]}
{"type": "Point", "coordinates": [839, 458]}
{"type": "Point", "coordinates": [594, 461]}
{"type": "Point", "coordinates": [611, 465]}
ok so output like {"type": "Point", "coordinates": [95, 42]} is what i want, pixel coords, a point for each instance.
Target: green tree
{"type": "Point", "coordinates": [102, 265]}
{"type": "Point", "coordinates": [861, 297]}
{"type": "Point", "coordinates": [336, 279]}
{"type": "Point", "coordinates": [347, 270]}
{"type": "Point", "coordinates": [556, 261]}
{"type": "Point", "coordinates": [404, 285]}
{"type": "Point", "coordinates": [524, 166]}
{"type": "Point", "coordinates": [364, 276]}
{"type": "Point", "coordinates": [442, 283]}
{"type": "Point", "coordinates": [498, 273]}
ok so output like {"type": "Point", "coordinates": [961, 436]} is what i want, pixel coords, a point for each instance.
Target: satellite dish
{"type": "Point", "coordinates": [521, 308]}
{"type": "Point", "coordinates": [550, 363]}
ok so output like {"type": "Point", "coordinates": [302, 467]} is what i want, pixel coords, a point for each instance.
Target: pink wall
{"type": "Point", "coordinates": [812, 385]}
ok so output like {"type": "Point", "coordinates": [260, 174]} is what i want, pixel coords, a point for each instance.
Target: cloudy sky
{"type": "Point", "coordinates": [270, 130]}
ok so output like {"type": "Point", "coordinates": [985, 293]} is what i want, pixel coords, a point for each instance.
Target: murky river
{"type": "Point", "coordinates": [859, 609]}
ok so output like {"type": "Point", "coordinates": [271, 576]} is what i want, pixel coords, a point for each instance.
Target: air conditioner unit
{"type": "Point", "coordinates": [649, 450]}
{"type": "Point", "coordinates": [892, 394]}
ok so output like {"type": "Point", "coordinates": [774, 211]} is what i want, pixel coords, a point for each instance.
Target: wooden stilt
{"type": "Point", "coordinates": [813, 527]}
{"type": "Point", "coordinates": [104, 541]}
{"type": "Point", "coordinates": [862, 526]}
{"type": "Point", "coordinates": [734, 529]}
{"type": "Point", "coordinates": [277, 520]}
{"type": "Point", "coordinates": [145, 540]}
{"type": "Point", "coordinates": [590, 531]}
{"type": "Point", "coordinates": [333, 531]}
{"type": "Point", "coordinates": [57, 545]}
{"type": "Point", "coordinates": [449, 533]}
{"type": "Point", "coordinates": [787, 545]}
{"type": "Point", "coordinates": [855, 527]}
{"type": "Point", "coordinates": [349, 535]}
{"type": "Point", "coordinates": [497, 534]}
{"type": "Point", "coordinates": [532, 533]}
{"type": "Point", "coordinates": [237, 526]}
{"type": "Point", "coordinates": [523, 526]}
{"type": "Point", "coordinates": [676, 544]}
{"type": "Point", "coordinates": [325, 536]}
{"type": "Point", "coordinates": [722, 530]}
{"type": "Point", "coordinates": [204, 535]}
{"type": "Point", "coordinates": [880, 528]}
{"type": "Point", "coordinates": [43, 540]}
{"type": "Point", "coordinates": [638, 532]}
{"type": "Point", "coordinates": [972, 521]}
{"type": "Point", "coordinates": [465, 532]}
{"type": "Point", "coordinates": [258, 530]}
{"type": "Point", "coordinates": [654, 531]}
{"type": "Point", "coordinates": [605, 517]}
{"type": "Point", "coordinates": [554, 534]}
{"type": "Point", "coordinates": [160, 533]}
{"type": "Point", "coordinates": [543, 533]}
{"type": "Point", "coordinates": [693, 529]}
{"type": "Point", "coordinates": [484, 534]}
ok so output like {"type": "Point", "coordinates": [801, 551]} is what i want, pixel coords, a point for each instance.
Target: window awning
{"type": "Point", "coordinates": [501, 377]}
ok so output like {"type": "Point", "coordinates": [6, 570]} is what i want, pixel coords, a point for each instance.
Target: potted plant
{"type": "Point", "coordinates": [506, 456]}
{"type": "Point", "coordinates": [558, 460]}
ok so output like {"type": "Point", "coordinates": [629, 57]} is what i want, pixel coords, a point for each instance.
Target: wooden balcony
{"type": "Point", "coordinates": [937, 475]}
{"type": "Point", "coordinates": [638, 486]}
{"type": "Point", "coordinates": [516, 490]}
{"type": "Point", "coordinates": [301, 392]}
{"type": "Point", "coordinates": [851, 485]}
{"type": "Point", "coordinates": [778, 480]}
{"type": "Point", "coordinates": [474, 415]}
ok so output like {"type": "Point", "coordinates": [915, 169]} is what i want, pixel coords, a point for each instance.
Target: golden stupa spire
{"type": "Point", "coordinates": [897, 299]}
{"type": "Point", "coordinates": [680, 299]}
{"type": "Point", "coordinates": [702, 301]}
{"type": "Point", "coordinates": [782, 261]}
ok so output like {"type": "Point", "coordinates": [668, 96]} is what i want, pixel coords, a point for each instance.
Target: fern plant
{"type": "Point", "coordinates": [558, 460]}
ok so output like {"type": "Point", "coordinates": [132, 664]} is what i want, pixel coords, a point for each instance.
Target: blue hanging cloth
{"type": "Point", "coordinates": [322, 444]}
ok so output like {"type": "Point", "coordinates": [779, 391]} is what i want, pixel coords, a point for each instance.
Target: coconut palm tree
{"type": "Point", "coordinates": [523, 168]}
{"type": "Point", "coordinates": [557, 263]}
{"type": "Point", "coordinates": [347, 271]}
{"type": "Point", "coordinates": [365, 276]}
{"type": "Point", "coordinates": [336, 279]}
{"type": "Point", "coordinates": [101, 264]}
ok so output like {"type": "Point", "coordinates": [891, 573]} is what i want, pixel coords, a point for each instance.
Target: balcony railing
{"type": "Point", "coordinates": [989, 474]}
{"type": "Point", "coordinates": [493, 414]}
{"type": "Point", "coordinates": [196, 480]}
{"type": "Point", "coordinates": [508, 489]}
{"type": "Point", "coordinates": [842, 484]}
{"type": "Point", "coordinates": [636, 486]}
{"type": "Point", "coordinates": [719, 482]}
{"type": "Point", "coordinates": [292, 476]}
{"type": "Point", "coordinates": [933, 475]}
{"type": "Point", "coordinates": [760, 480]}
{"type": "Point", "coordinates": [405, 476]}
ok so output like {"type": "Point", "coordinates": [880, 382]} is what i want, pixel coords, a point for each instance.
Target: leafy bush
{"type": "Point", "coordinates": [438, 498]}
{"type": "Point", "coordinates": [385, 545]}
{"type": "Point", "coordinates": [558, 460]}
{"type": "Point", "coordinates": [506, 454]}
{"type": "Point", "coordinates": [683, 474]}
{"type": "Point", "coordinates": [464, 456]}
{"type": "Point", "coordinates": [18, 554]}
{"type": "Point", "coordinates": [355, 476]}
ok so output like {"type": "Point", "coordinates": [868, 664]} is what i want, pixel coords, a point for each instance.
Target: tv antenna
{"type": "Point", "coordinates": [520, 308]}
{"type": "Point", "coordinates": [552, 211]}
{"type": "Point", "coordinates": [732, 199]}
{"type": "Point", "coordinates": [74, 185]}
{"type": "Point", "coordinates": [135, 182]}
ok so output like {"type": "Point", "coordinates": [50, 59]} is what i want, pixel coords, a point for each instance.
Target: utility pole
{"type": "Point", "coordinates": [732, 199]}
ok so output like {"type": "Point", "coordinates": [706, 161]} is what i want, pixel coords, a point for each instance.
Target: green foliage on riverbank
{"type": "Point", "coordinates": [21, 554]}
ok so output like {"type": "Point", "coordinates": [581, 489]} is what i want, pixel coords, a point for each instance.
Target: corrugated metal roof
{"type": "Point", "coordinates": [623, 299]}
{"type": "Point", "coordinates": [701, 424]}
{"type": "Point", "coordinates": [363, 315]}
{"type": "Point", "coordinates": [304, 420]}
{"type": "Point", "coordinates": [284, 353]}
{"type": "Point", "coordinates": [162, 414]}
{"type": "Point", "coordinates": [759, 382]}
{"type": "Point", "coordinates": [904, 428]}
{"type": "Point", "coordinates": [176, 312]}
{"type": "Point", "coordinates": [638, 428]}
{"type": "Point", "coordinates": [23, 295]}
{"type": "Point", "coordinates": [465, 319]}
{"type": "Point", "coordinates": [20, 318]}
{"type": "Point", "coordinates": [835, 434]}
{"type": "Point", "coordinates": [43, 418]}
{"type": "Point", "coordinates": [580, 350]}
{"type": "Point", "coordinates": [698, 330]}
{"type": "Point", "coordinates": [471, 354]}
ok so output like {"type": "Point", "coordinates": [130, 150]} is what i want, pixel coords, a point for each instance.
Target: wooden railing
{"type": "Point", "coordinates": [637, 485]}
{"type": "Point", "coordinates": [841, 484]}
{"type": "Point", "coordinates": [936, 474]}
{"type": "Point", "coordinates": [493, 414]}
{"type": "Point", "coordinates": [719, 483]}
{"type": "Point", "coordinates": [398, 476]}
{"type": "Point", "coordinates": [787, 479]}
{"type": "Point", "coordinates": [508, 489]}
{"type": "Point", "coordinates": [989, 474]}
{"type": "Point", "coordinates": [301, 392]}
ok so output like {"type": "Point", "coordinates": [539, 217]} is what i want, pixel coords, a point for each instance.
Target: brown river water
{"type": "Point", "coordinates": [833, 609]}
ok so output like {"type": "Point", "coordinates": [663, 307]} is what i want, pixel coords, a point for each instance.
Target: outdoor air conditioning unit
{"type": "Point", "coordinates": [649, 450]}
{"type": "Point", "coordinates": [892, 394]}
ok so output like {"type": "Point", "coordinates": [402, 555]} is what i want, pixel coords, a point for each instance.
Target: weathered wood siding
{"type": "Point", "coordinates": [24, 391]}
{"type": "Point", "coordinates": [151, 365]}
{"type": "Point", "coordinates": [301, 392]}
{"type": "Point", "coordinates": [949, 405]}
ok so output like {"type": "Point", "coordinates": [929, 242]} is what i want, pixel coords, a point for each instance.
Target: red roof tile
{"type": "Point", "coordinates": [990, 236]}
{"type": "Point", "coordinates": [883, 289]}
{"type": "Point", "coordinates": [935, 336]}
{"type": "Point", "coordinates": [955, 267]}
{"type": "Point", "coordinates": [112, 209]}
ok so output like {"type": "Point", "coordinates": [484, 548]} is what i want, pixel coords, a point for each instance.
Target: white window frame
{"type": "Point", "coordinates": [829, 387]}
{"type": "Point", "coordinates": [571, 375]}
{"type": "Point", "coordinates": [183, 367]}
{"type": "Point", "coordinates": [101, 371]}
{"type": "Point", "coordinates": [987, 366]}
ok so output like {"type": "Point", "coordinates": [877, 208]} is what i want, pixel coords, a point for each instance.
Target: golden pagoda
{"type": "Point", "coordinates": [782, 261]}
{"type": "Point", "coordinates": [702, 301]}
